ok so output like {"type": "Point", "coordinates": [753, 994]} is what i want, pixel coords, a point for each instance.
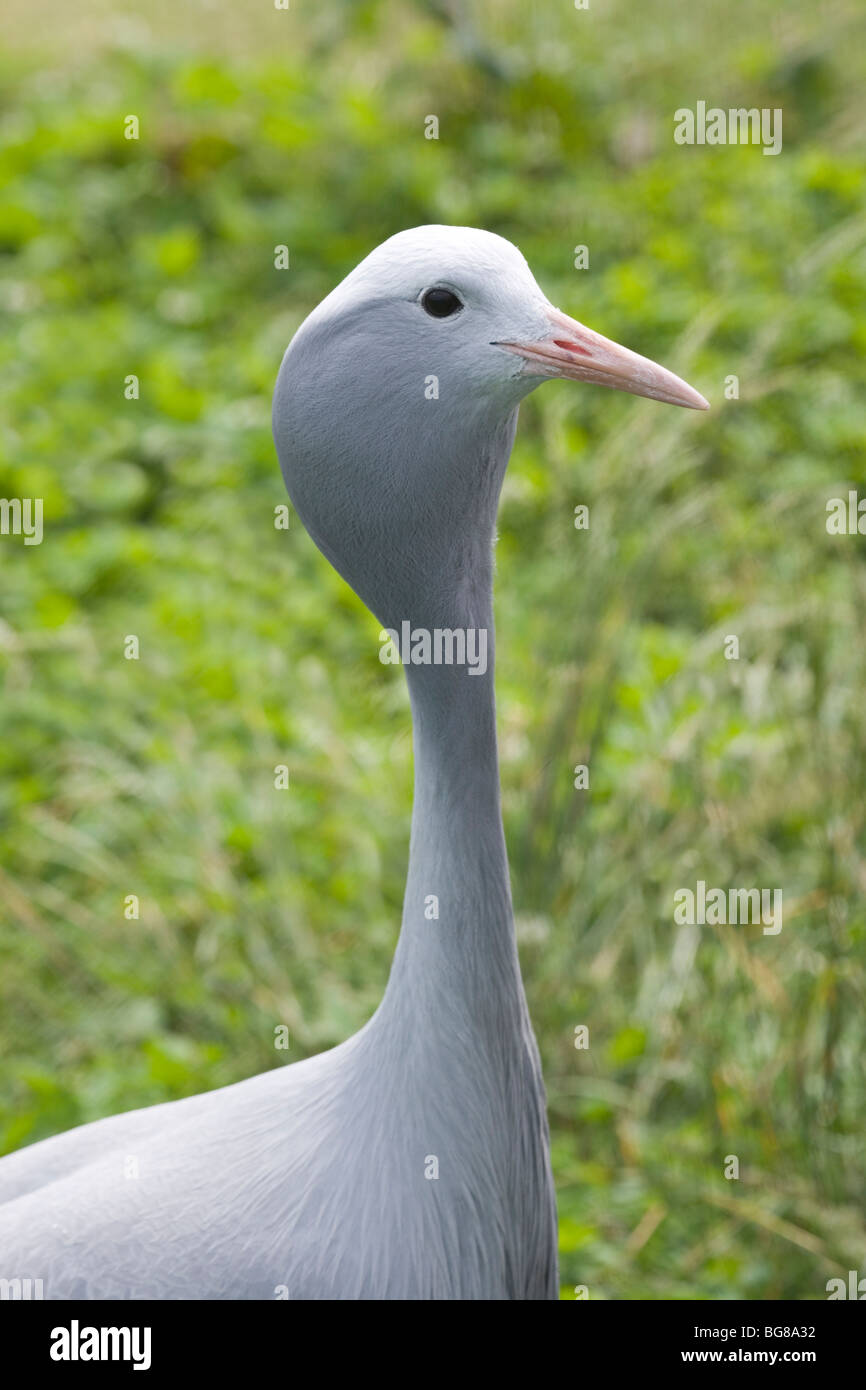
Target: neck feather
{"type": "Point", "coordinates": [461, 965]}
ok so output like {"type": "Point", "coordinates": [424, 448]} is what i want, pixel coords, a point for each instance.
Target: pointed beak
{"type": "Point", "coordinates": [577, 353]}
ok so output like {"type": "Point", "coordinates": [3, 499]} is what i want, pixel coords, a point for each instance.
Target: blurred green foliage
{"type": "Point", "coordinates": [155, 777]}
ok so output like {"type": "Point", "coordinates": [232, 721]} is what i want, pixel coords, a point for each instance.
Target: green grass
{"type": "Point", "coordinates": [155, 777]}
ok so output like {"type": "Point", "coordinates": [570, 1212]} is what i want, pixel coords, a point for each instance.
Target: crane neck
{"type": "Point", "coordinates": [456, 962]}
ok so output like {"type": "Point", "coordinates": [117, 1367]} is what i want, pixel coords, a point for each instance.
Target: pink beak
{"type": "Point", "coordinates": [579, 354]}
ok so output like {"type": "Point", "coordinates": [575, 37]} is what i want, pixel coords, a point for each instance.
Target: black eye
{"type": "Point", "coordinates": [440, 303]}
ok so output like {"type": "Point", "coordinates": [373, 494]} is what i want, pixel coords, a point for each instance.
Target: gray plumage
{"type": "Point", "coordinates": [315, 1180]}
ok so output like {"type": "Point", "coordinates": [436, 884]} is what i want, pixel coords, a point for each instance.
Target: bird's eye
{"type": "Point", "coordinates": [440, 303]}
